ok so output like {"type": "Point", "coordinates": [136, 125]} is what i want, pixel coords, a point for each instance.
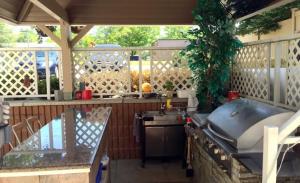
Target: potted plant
{"type": "Point", "coordinates": [211, 52]}
{"type": "Point", "coordinates": [169, 87]}
{"type": "Point", "coordinates": [76, 29]}
{"type": "Point", "coordinates": [134, 56]}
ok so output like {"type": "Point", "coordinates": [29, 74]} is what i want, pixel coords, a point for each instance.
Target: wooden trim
{"type": "Point", "coordinates": [27, 6]}
{"type": "Point", "coordinates": [52, 8]}
{"type": "Point", "coordinates": [8, 20]}
{"type": "Point", "coordinates": [47, 31]}
{"type": "Point", "coordinates": [80, 35]}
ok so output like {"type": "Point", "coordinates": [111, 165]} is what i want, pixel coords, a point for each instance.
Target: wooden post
{"type": "Point", "coordinates": [270, 149]}
{"type": "Point", "coordinates": [140, 78]}
{"type": "Point", "coordinates": [67, 65]}
{"type": "Point", "coordinates": [294, 19]}
{"type": "Point", "coordinates": [66, 45]}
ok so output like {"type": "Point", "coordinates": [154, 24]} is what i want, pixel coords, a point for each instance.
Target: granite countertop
{"type": "Point", "coordinates": [19, 103]}
{"type": "Point", "coordinates": [70, 140]}
{"type": "Point", "coordinates": [290, 166]}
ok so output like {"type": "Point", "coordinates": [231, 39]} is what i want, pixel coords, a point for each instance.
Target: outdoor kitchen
{"type": "Point", "coordinates": [162, 91]}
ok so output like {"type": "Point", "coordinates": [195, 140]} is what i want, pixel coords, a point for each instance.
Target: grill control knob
{"type": "Point", "coordinates": [223, 157]}
{"type": "Point", "coordinates": [195, 136]}
{"type": "Point", "coordinates": [210, 145]}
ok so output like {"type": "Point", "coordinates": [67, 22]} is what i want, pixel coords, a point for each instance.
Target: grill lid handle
{"type": "Point", "coordinates": [219, 135]}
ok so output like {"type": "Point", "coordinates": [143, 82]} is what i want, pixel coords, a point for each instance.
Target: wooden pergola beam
{"type": "Point", "coordinates": [80, 35]}
{"type": "Point", "coordinates": [52, 8]}
{"type": "Point", "coordinates": [24, 10]}
{"type": "Point", "coordinates": [49, 33]}
{"type": "Point", "coordinates": [276, 5]}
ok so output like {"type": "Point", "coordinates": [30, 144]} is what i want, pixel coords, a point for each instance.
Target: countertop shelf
{"type": "Point", "coordinates": [20, 103]}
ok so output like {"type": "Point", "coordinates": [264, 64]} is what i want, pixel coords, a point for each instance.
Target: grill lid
{"type": "Point", "coordinates": [240, 117]}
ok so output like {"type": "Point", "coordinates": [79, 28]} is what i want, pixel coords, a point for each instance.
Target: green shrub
{"type": "Point", "coordinates": [54, 85]}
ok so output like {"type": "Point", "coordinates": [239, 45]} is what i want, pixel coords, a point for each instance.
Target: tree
{"type": "Point", "coordinates": [212, 50]}
{"type": "Point", "coordinates": [27, 36]}
{"type": "Point", "coordinates": [127, 36]}
{"type": "Point", "coordinates": [176, 32]}
{"type": "Point", "coordinates": [6, 35]}
{"type": "Point", "coordinates": [268, 21]}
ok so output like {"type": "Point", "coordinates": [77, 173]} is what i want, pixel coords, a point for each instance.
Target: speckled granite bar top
{"type": "Point", "coordinates": [72, 139]}
{"type": "Point", "coordinates": [19, 103]}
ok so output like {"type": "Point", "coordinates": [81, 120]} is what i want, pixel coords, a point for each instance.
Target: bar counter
{"type": "Point", "coordinates": [122, 141]}
{"type": "Point", "coordinates": [68, 149]}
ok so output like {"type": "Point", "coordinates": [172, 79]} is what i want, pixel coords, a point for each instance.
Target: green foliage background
{"type": "Point", "coordinates": [268, 21]}
{"type": "Point", "coordinates": [212, 50]}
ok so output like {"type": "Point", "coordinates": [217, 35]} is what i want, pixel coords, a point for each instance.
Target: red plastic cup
{"type": "Point", "coordinates": [87, 94]}
{"type": "Point", "coordinates": [232, 95]}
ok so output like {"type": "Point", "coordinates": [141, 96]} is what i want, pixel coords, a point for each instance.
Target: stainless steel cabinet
{"type": "Point", "coordinates": [154, 141]}
{"type": "Point", "coordinates": [174, 141]}
{"type": "Point", "coordinates": [164, 141]}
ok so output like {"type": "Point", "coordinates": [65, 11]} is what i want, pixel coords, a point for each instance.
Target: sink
{"type": "Point", "coordinates": [165, 117]}
{"type": "Point", "coordinates": [157, 113]}
{"type": "Point", "coordinates": [155, 118]}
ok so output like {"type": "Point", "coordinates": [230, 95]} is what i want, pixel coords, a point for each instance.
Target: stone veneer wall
{"type": "Point", "coordinates": [206, 170]}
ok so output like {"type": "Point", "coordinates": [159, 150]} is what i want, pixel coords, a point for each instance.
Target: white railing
{"type": "Point", "coordinates": [21, 70]}
{"type": "Point", "coordinates": [110, 71]}
{"type": "Point", "coordinates": [269, 71]}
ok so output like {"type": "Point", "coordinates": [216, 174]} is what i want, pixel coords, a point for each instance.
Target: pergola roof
{"type": "Point", "coordinates": [113, 12]}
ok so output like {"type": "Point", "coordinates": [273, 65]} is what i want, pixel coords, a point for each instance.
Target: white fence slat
{"type": "Point", "coordinates": [278, 56]}
{"type": "Point", "coordinates": [47, 69]}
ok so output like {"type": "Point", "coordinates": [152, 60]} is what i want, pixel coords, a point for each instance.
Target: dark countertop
{"type": "Point", "coordinates": [72, 139]}
{"type": "Point", "coordinates": [290, 166]}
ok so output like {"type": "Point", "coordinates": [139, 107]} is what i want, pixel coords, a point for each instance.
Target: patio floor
{"type": "Point", "coordinates": [130, 171]}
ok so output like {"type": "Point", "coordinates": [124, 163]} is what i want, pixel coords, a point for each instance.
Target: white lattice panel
{"type": "Point", "coordinates": [18, 74]}
{"type": "Point", "coordinates": [165, 66]}
{"type": "Point", "coordinates": [105, 72]}
{"type": "Point", "coordinates": [293, 74]}
{"type": "Point", "coordinates": [88, 130]}
{"type": "Point", "coordinates": [250, 74]}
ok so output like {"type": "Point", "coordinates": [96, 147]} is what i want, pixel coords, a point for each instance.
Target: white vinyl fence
{"type": "Point", "coordinates": [107, 72]}
{"type": "Point", "coordinates": [21, 69]}
{"type": "Point", "coordinates": [269, 71]}
{"type": "Point", "coordinates": [111, 72]}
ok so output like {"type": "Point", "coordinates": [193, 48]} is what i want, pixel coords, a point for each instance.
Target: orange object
{"type": "Point", "coordinates": [146, 87]}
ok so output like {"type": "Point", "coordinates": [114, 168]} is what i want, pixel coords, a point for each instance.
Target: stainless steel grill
{"type": "Point", "coordinates": [240, 123]}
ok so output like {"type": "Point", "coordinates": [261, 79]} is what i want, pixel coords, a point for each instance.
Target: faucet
{"type": "Point", "coordinates": [162, 110]}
